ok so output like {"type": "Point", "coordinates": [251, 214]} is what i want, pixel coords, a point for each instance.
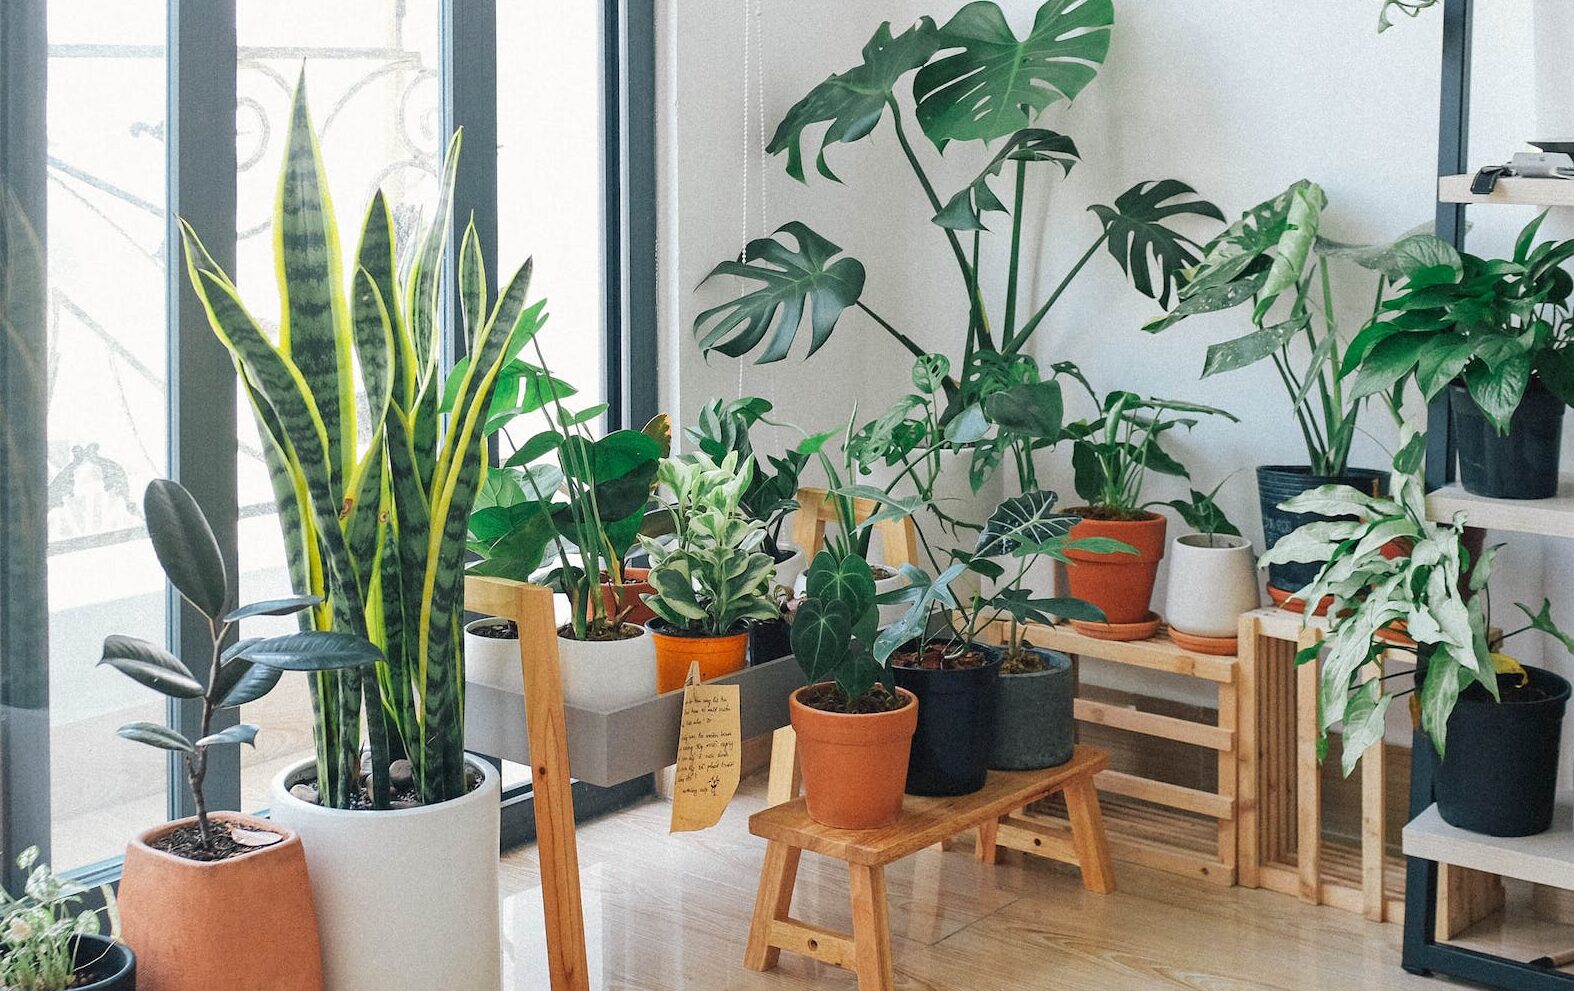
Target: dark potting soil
{"type": "Point", "coordinates": [1108, 514]}
{"type": "Point", "coordinates": [625, 631]}
{"type": "Point", "coordinates": [1509, 690]}
{"type": "Point", "coordinates": [934, 659]}
{"type": "Point", "coordinates": [1022, 661]}
{"type": "Point", "coordinates": [827, 698]}
{"type": "Point", "coordinates": [504, 629]}
{"type": "Point", "coordinates": [881, 572]}
{"type": "Point", "coordinates": [186, 843]}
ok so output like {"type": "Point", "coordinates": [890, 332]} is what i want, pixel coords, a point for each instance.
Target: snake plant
{"type": "Point", "coordinates": [376, 529]}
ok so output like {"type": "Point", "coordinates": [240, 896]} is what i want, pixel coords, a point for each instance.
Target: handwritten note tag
{"type": "Point", "coordinates": [710, 754]}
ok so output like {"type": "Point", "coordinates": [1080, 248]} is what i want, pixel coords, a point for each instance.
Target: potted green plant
{"type": "Point", "coordinates": [1112, 456]}
{"type": "Point", "coordinates": [1276, 258]}
{"type": "Point", "coordinates": [586, 499]}
{"type": "Point", "coordinates": [712, 578]}
{"type": "Point", "coordinates": [974, 82]}
{"type": "Point", "coordinates": [48, 942]}
{"type": "Point", "coordinates": [854, 726]}
{"type": "Point", "coordinates": [230, 862]}
{"type": "Point", "coordinates": [377, 529]}
{"type": "Point", "coordinates": [1212, 579]}
{"type": "Point", "coordinates": [1498, 335]}
{"type": "Point", "coordinates": [1494, 724]}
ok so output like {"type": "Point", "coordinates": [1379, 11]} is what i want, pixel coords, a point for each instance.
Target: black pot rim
{"type": "Point", "coordinates": [127, 960]}
{"type": "Point", "coordinates": [1305, 471]}
{"type": "Point", "coordinates": [1564, 690]}
{"type": "Point", "coordinates": [989, 650]}
{"type": "Point", "coordinates": [1058, 655]}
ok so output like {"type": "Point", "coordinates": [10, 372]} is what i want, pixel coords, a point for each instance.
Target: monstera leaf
{"type": "Point", "coordinates": [1137, 238]}
{"type": "Point", "coordinates": [1028, 520]}
{"type": "Point", "coordinates": [965, 211]}
{"type": "Point", "coordinates": [853, 101]}
{"type": "Point", "coordinates": [996, 84]}
{"type": "Point", "coordinates": [788, 280]}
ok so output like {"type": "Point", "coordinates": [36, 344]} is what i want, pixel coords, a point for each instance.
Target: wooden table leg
{"type": "Point", "coordinates": [1087, 835]}
{"type": "Point", "coordinates": [871, 929]}
{"type": "Point", "coordinates": [988, 849]}
{"type": "Point", "coordinates": [772, 904]}
{"type": "Point", "coordinates": [1308, 779]}
{"type": "Point", "coordinates": [786, 777]}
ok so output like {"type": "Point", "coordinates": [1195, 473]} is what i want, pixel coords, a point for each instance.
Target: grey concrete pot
{"type": "Point", "coordinates": [1034, 727]}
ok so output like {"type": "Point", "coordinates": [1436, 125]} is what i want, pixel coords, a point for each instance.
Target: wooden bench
{"type": "Point", "coordinates": [923, 823]}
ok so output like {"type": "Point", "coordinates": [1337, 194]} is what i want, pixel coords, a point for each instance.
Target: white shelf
{"type": "Point", "coordinates": [1547, 858]}
{"type": "Point", "coordinates": [1552, 517]}
{"type": "Point", "coordinates": [1525, 192]}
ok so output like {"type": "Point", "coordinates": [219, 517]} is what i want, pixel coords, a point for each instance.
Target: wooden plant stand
{"type": "Point", "coordinates": [923, 823]}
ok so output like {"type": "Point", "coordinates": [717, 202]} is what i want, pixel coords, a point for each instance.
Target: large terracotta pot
{"type": "Point", "coordinates": [718, 656]}
{"type": "Point", "coordinates": [636, 585]}
{"type": "Point", "coordinates": [1119, 584]}
{"type": "Point", "coordinates": [408, 898]}
{"type": "Point", "coordinates": [246, 922]}
{"type": "Point", "coordinates": [854, 766]}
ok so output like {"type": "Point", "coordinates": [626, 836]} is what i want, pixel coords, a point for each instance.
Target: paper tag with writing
{"type": "Point", "coordinates": [710, 754]}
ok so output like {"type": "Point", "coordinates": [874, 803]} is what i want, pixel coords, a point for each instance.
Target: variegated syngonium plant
{"type": "Point", "coordinates": [376, 529]}
{"type": "Point", "coordinates": [714, 575]}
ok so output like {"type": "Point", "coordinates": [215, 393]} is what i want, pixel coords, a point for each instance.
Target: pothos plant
{"type": "Point", "coordinates": [973, 82]}
{"type": "Point", "coordinates": [1113, 453]}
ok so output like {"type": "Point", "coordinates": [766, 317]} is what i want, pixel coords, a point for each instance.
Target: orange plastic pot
{"type": "Point", "coordinates": [1120, 584]}
{"type": "Point", "coordinates": [674, 653]}
{"type": "Point", "coordinates": [635, 585]}
{"type": "Point", "coordinates": [854, 766]}
{"type": "Point", "coordinates": [246, 922]}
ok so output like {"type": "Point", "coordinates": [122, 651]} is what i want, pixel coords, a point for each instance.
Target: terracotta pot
{"type": "Point", "coordinates": [854, 766]}
{"type": "Point", "coordinates": [635, 585]}
{"type": "Point", "coordinates": [245, 922]}
{"type": "Point", "coordinates": [718, 656]}
{"type": "Point", "coordinates": [1119, 584]}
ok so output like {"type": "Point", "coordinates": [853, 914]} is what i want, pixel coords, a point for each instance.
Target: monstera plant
{"type": "Point", "coordinates": [973, 81]}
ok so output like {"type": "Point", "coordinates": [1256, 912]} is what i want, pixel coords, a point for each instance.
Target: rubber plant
{"type": "Point", "coordinates": [376, 530]}
{"type": "Point", "coordinates": [973, 81]}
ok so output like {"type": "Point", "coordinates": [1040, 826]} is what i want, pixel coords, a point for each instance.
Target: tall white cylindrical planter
{"type": "Point", "coordinates": [406, 898]}
{"type": "Point", "coordinates": [605, 675]}
{"type": "Point", "coordinates": [1213, 580]}
{"type": "Point", "coordinates": [493, 661]}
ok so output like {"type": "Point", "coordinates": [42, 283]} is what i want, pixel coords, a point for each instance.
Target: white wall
{"type": "Point", "coordinates": [1237, 97]}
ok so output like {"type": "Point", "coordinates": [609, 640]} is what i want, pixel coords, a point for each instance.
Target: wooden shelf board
{"type": "Point", "coordinates": [1546, 517]}
{"type": "Point", "coordinates": [1524, 192]}
{"type": "Point", "coordinates": [1547, 858]}
{"type": "Point", "coordinates": [1157, 654]}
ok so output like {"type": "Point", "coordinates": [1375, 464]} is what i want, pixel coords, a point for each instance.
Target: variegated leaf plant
{"type": "Point", "coordinates": [376, 529]}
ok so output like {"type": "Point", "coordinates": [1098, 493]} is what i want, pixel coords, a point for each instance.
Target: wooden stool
{"type": "Point", "coordinates": [923, 822]}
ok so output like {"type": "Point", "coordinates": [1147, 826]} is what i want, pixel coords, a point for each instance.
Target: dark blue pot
{"type": "Point", "coordinates": [103, 965]}
{"type": "Point", "coordinates": [1522, 464]}
{"type": "Point", "coordinates": [956, 710]}
{"type": "Point", "coordinates": [1279, 483]}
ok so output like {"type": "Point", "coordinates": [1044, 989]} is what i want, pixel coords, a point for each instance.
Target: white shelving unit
{"type": "Point", "coordinates": [1545, 517]}
{"type": "Point", "coordinates": [1523, 192]}
{"type": "Point", "coordinates": [1547, 858]}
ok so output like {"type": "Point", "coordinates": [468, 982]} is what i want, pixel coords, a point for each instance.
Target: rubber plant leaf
{"type": "Point", "coordinates": [150, 666]}
{"type": "Point", "coordinates": [185, 546]}
{"type": "Point", "coordinates": [995, 84]}
{"type": "Point", "coordinates": [789, 280]}
{"type": "Point", "coordinates": [1138, 239]}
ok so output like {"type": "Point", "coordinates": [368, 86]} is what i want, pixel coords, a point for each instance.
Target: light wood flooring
{"type": "Point", "coordinates": [672, 912]}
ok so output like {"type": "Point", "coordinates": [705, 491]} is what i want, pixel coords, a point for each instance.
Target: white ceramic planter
{"type": "Point", "coordinates": [888, 614]}
{"type": "Point", "coordinates": [405, 898]}
{"type": "Point", "coordinates": [1210, 586]}
{"type": "Point", "coordinates": [789, 571]}
{"type": "Point", "coordinates": [491, 660]}
{"type": "Point", "coordinates": [607, 675]}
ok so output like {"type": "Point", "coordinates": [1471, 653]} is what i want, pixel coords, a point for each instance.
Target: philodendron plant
{"type": "Point", "coordinates": [237, 673]}
{"type": "Point", "coordinates": [375, 530]}
{"type": "Point", "coordinates": [39, 927]}
{"type": "Point", "coordinates": [834, 630]}
{"type": "Point", "coordinates": [712, 576]}
{"type": "Point", "coordinates": [974, 82]}
{"type": "Point", "coordinates": [1112, 454]}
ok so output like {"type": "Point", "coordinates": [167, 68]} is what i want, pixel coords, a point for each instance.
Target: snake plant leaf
{"type": "Point", "coordinates": [185, 546]}
{"type": "Point", "coordinates": [820, 631]}
{"type": "Point", "coordinates": [853, 101]}
{"type": "Point", "coordinates": [1026, 519]}
{"type": "Point", "coordinates": [1139, 239]}
{"type": "Point", "coordinates": [287, 606]}
{"type": "Point", "coordinates": [373, 330]}
{"type": "Point", "coordinates": [996, 84]}
{"type": "Point", "coordinates": [241, 681]}
{"type": "Point", "coordinates": [789, 280]}
{"type": "Point", "coordinates": [472, 283]}
{"type": "Point", "coordinates": [421, 293]}
{"type": "Point", "coordinates": [239, 733]}
{"type": "Point", "coordinates": [314, 650]}
{"type": "Point", "coordinates": [156, 735]}
{"type": "Point", "coordinates": [150, 666]}
{"type": "Point", "coordinates": [1033, 409]}
{"type": "Point", "coordinates": [314, 326]}
{"type": "Point", "coordinates": [375, 256]}
{"type": "Point", "coordinates": [965, 210]}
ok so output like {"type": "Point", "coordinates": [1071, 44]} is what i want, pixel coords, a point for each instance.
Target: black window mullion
{"type": "Point", "coordinates": [24, 604]}
{"type": "Point", "coordinates": [630, 80]}
{"type": "Point", "coordinates": [201, 188]}
{"type": "Point", "coordinates": [469, 101]}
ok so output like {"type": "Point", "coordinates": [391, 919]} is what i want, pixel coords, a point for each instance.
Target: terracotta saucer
{"type": "Point", "coordinates": [1221, 646]}
{"type": "Point", "coordinates": [1144, 629]}
{"type": "Point", "coordinates": [1395, 634]}
{"type": "Point", "coordinates": [1288, 602]}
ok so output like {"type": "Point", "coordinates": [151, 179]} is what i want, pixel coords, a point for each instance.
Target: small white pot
{"type": "Point", "coordinates": [789, 571]}
{"type": "Point", "coordinates": [888, 614]}
{"type": "Point", "coordinates": [493, 661]}
{"type": "Point", "coordinates": [605, 675]}
{"type": "Point", "coordinates": [1211, 586]}
{"type": "Point", "coordinates": [406, 898]}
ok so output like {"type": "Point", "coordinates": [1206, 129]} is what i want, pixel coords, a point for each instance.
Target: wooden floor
{"type": "Point", "coordinates": [672, 912]}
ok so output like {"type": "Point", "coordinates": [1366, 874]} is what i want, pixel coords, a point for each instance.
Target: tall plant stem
{"type": "Point", "coordinates": [980, 320]}
{"type": "Point", "coordinates": [1015, 344]}
{"type": "Point", "coordinates": [1300, 414]}
{"type": "Point", "coordinates": [1010, 325]}
{"type": "Point", "coordinates": [903, 339]}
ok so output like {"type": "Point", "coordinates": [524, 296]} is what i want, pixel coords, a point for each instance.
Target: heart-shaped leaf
{"type": "Point", "coordinates": [1028, 519]}
{"type": "Point", "coordinates": [151, 666]}
{"type": "Point", "coordinates": [821, 629]}
{"type": "Point", "coordinates": [186, 548]}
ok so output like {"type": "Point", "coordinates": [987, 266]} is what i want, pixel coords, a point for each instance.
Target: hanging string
{"type": "Point", "coordinates": [759, 106]}
{"type": "Point", "coordinates": [743, 207]}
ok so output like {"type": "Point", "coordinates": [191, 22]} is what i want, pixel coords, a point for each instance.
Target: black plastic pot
{"type": "Point", "coordinates": [1034, 726]}
{"type": "Point", "coordinates": [956, 709]}
{"type": "Point", "coordinates": [1499, 770]}
{"type": "Point", "coordinates": [103, 965]}
{"type": "Point", "coordinates": [1522, 464]}
{"type": "Point", "coordinates": [768, 640]}
{"type": "Point", "coordinates": [1278, 483]}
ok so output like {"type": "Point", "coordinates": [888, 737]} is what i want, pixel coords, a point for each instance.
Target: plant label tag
{"type": "Point", "coordinates": [710, 754]}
